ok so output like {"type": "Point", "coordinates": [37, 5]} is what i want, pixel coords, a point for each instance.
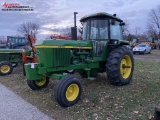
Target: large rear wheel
{"type": "Point", "coordinates": [38, 84]}
{"type": "Point", "coordinates": [68, 91]}
{"type": "Point", "coordinates": [120, 66]}
{"type": "Point", "coordinates": [5, 68]}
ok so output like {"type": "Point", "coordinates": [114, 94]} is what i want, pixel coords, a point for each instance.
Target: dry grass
{"type": "Point", "coordinates": [100, 100]}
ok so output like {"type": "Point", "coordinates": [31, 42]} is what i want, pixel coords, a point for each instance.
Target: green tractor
{"type": "Point", "coordinates": [102, 49]}
{"type": "Point", "coordinates": [9, 58]}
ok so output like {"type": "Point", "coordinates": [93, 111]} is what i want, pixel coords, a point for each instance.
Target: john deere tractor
{"type": "Point", "coordinates": [102, 49]}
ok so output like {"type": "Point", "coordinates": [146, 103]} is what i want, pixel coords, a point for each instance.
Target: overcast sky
{"type": "Point", "coordinates": [51, 14]}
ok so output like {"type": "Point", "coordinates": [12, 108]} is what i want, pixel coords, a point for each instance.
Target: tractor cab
{"type": "Point", "coordinates": [14, 42]}
{"type": "Point", "coordinates": [102, 29]}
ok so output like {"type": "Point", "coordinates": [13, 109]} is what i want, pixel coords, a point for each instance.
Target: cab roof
{"type": "Point", "coordinates": [102, 15]}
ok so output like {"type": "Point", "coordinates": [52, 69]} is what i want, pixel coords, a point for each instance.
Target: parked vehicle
{"type": "Point", "coordinates": [142, 49]}
{"type": "Point", "coordinates": [102, 49]}
{"type": "Point", "coordinates": [9, 58]}
{"type": "Point", "coordinates": [16, 42]}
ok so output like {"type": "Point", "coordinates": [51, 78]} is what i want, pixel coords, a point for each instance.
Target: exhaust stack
{"type": "Point", "coordinates": [74, 29]}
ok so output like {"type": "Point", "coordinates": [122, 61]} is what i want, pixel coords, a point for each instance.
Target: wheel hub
{"type": "Point", "coordinates": [41, 82]}
{"type": "Point", "coordinates": [72, 92]}
{"type": "Point", "coordinates": [5, 68]}
{"type": "Point", "coordinates": [125, 67]}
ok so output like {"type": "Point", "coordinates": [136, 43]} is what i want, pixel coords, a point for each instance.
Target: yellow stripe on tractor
{"type": "Point", "coordinates": [63, 47]}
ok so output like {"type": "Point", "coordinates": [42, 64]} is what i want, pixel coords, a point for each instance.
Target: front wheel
{"type": "Point", "coordinates": [38, 84]}
{"type": "Point", "coordinates": [68, 91]}
{"type": "Point", "coordinates": [5, 68]}
{"type": "Point", "coordinates": [120, 66]}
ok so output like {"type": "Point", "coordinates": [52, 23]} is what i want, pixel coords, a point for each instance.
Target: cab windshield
{"type": "Point", "coordinates": [98, 29]}
{"type": "Point", "coordinates": [95, 29]}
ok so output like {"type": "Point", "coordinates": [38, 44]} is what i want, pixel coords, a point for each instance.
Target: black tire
{"type": "Point", "coordinates": [68, 82]}
{"type": "Point", "coordinates": [5, 68]}
{"type": "Point", "coordinates": [116, 66]}
{"type": "Point", "coordinates": [38, 84]}
{"type": "Point", "coordinates": [156, 115]}
{"type": "Point", "coordinates": [14, 64]}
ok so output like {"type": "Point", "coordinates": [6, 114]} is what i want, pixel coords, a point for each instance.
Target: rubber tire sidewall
{"type": "Point", "coordinates": [60, 91]}
{"type": "Point", "coordinates": [34, 86]}
{"type": "Point", "coordinates": [6, 63]}
{"type": "Point", "coordinates": [119, 80]}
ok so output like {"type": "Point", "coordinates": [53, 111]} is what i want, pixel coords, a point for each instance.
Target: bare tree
{"type": "Point", "coordinates": [126, 32]}
{"type": "Point", "coordinates": [137, 32]}
{"type": "Point", "coordinates": [125, 28]}
{"type": "Point", "coordinates": [153, 24]}
{"type": "Point", "coordinates": [28, 28]}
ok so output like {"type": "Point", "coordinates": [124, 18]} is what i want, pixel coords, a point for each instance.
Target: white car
{"type": "Point", "coordinates": [142, 49]}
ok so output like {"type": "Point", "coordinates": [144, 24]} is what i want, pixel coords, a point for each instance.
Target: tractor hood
{"type": "Point", "coordinates": [64, 44]}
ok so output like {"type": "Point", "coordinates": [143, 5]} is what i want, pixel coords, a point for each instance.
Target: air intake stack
{"type": "Point", "coordinates": [74, 29]}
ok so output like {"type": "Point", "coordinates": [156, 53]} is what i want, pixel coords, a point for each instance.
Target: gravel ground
{"type": "Point", "coordinates": [13, 107]}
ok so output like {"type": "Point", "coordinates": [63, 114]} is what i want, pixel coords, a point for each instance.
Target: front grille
{"type": "Point", "coordinates": [61, 57]}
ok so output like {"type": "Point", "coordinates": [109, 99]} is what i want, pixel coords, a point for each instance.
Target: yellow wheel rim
{"type": "Point", "coordinates": [72, 92]}
{"type": "Point", "coordinates": [126, 66]}
{"type": "Point", "coordinates": [41, 82]}
{"type": "Point", "coordinates": [5, 68]}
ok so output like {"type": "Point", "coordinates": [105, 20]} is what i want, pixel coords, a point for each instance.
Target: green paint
{"type": "Point", "coordinates": [11, 55]}
{"type": "Point", "coordinates": [10, 51]}
{"type": "Point", "coordinates": [58, 76]}
{"type": "Point", "coordinates": [65, 43]}
{"type": "Point", "coordinates": [32, 73]}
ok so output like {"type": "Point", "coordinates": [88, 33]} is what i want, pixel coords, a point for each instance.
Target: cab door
{"type": "Point", "coordinates": [99, 35]}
